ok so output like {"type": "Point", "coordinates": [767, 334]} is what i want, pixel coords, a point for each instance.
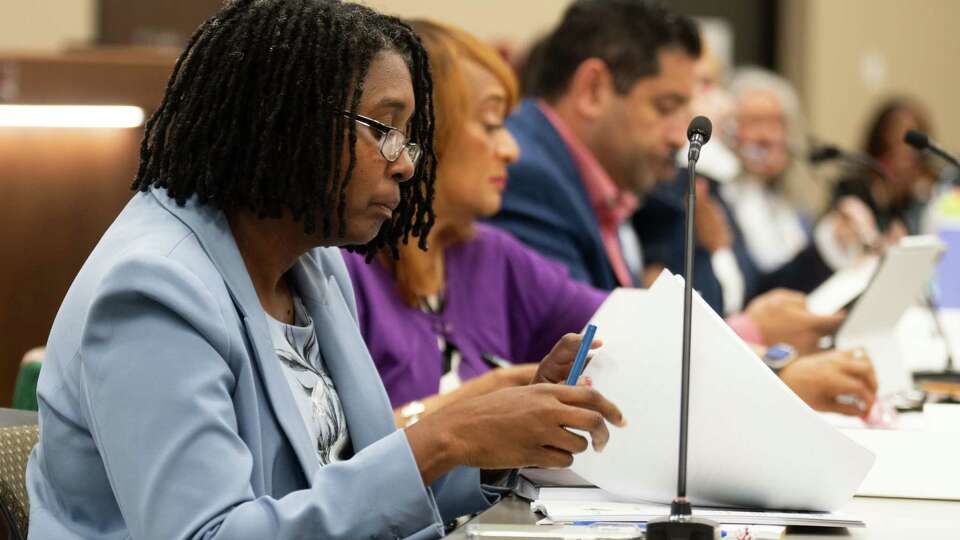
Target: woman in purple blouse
{"type": "Point", "coordinates": [440, 323]}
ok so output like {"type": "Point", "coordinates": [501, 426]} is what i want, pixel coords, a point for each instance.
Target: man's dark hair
{"type": "Point", "coordinates": [253, 115]}
{"type": "Point", "coordinates": [625, 34]}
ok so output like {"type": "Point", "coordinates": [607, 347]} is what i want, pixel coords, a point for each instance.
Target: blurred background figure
{"type": "Point", "coordinates": [660, 222]}
{"type": "Point", "coordinates": [777, 244]}
{"type": "Point", "coordinates": [897, 199]}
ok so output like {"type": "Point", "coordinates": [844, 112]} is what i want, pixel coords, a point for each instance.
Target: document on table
{"type": "Point", "coordinates": [557, 484]}
{"type": "Point", "coordinates": [579, 511]}
{"type": "Point", "coordinates": [752, 441]}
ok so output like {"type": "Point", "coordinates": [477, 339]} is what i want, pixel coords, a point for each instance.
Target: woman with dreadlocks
{"type": "Point", "coordinates": [205, 376]}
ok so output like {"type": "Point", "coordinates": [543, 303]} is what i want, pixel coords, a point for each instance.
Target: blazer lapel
{"type": "Point", "coordinates": [213, 232]}
{"type": "Point", "coordinates": [365, 403]}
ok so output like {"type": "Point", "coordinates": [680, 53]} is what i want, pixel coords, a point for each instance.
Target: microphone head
{"type": "Point", "coordinates": [700, 126]}
{"type": "Point", "coordinates": [917, 139]}
{"type": "Point", "coordinates": [827, 152]}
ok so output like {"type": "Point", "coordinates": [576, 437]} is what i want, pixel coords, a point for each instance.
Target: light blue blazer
{"type": "Point", "coordinates": [164, 413]}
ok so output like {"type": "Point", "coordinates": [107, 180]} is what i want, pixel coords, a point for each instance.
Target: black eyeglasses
{"type": "Point", "coordinates": [392, 141]}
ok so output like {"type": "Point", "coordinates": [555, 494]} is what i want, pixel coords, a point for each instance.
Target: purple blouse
{"type": "Point", "coordinates": [501, 298]}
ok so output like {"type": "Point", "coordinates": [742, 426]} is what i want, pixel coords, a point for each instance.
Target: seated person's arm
{"type": "Point", "coordinates": [820, 379]}
{"type": "Point", "coordinates": [490, 381]}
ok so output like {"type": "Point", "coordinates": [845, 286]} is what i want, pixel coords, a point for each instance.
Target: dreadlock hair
{"type": "Point", "coordinates": [252, 115]}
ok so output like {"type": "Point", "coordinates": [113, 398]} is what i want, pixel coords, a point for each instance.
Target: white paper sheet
{"type": "Point", "coordinates": [752, 442]}
{"type": "Point", "coordinates": [571, 511]}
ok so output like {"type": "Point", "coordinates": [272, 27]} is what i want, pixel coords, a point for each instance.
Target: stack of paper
{"type": "Point", "coordinates": [574, 511]}
{"type": "Point", "coordinates": [557, 485]}
{"type": "Point", "coordinates": [752, 441]}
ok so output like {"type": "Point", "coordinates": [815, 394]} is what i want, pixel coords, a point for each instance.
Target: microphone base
{"type": "Point", "coordinates": [682, 528]}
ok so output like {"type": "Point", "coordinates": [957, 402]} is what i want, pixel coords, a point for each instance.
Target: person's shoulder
{"type": "Point", "coordinates": [490, 250]}
{"type": "Point", "coordinates": [353, 262]}
{"type": "Point", "coordinates": [533, 167]}
{"type": "Point", "coordinates": [526, 117]}
{"type": "Point", "coordinates": [152, 259]}
{"type": "Point", "coordinates": [491, 238]}
{"type": "Point", "coordinates": [336, 263]}
{"type": "Point", "coordinates": [146, 235]}
{"type": "Point", "coordinates": [499, 244]}
{"type": "Point", "coordinates": [356, 265]}
{"type": "Point", "coordinates": [535, 135]}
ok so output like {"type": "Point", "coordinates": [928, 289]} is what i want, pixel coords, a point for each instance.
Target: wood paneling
{"type": "Point", "coordinates": [61, 188]}
{"type": "Point", "coordinates": [141, 22]}
{"type": "Point", "coordinates": [92, 77]}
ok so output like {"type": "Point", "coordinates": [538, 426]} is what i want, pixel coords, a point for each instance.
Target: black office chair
{"type": "Point", "coordinates": [18, 435]}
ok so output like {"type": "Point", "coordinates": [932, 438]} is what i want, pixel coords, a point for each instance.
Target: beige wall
{"type": "Point", "coordinates": [50, 24]}
{"type": "Point", "coordinates": [45, 24]}
{"type": "Point", "coordinates": [517, 21]}
{"type": "Point", "coordinates": [846, 56]}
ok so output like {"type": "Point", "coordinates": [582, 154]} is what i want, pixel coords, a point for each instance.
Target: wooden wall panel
{"type": "Point", "coordinates": [61, 188]}
{"type": "Point", "coordinates": [140, 22]}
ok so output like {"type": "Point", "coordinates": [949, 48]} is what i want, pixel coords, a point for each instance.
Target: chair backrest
{"type": "Point", "coordinates": [16, 442]}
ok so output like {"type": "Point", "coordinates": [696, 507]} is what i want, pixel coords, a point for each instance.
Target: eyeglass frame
{"type": "Point", "coordinates": [385, 130]}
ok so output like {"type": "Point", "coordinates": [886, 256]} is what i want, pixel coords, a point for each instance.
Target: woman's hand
{"type": "Point", "coordinates": [555, 367]}
{"type": "Point", "coordinates": [512, 428]}
{"type": "Point", "coordinates": [552, 369]}
{"type": "Point", "coordinates": [491, 381]}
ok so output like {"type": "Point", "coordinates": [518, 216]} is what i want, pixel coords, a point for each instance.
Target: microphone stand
{"type": "Point", "coordinates": [921, 142]}
{"type": "Point", "coordinates": [681, 523]}
{"type": "Point", "coordinates": [949, 373]}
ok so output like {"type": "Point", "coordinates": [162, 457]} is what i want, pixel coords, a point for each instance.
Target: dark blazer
{"type": "Point", "coordinates": [661, 226]}
{"type": "Point", "coordinates": [804, 273]}
{"type": "Point", "coordinates": [546, 205]}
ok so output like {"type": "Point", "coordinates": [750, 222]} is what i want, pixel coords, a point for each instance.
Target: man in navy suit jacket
{"type": "Point", "coordinates": [610, 89]}
{"type": "Point", "coordinates": [611, 86]}
{"type": "Point", "coordinates": [546, 203]}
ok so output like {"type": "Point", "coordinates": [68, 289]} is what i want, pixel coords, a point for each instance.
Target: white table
{"type": "Point", "coordinates": [887, 519]}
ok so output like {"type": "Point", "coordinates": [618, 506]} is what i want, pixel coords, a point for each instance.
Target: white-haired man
{"type": "Point", "coordinates": [777, 245]}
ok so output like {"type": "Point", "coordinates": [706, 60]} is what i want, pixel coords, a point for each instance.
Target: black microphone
{"type": "Point", "coordinates": [681, 524]}
{"type": "Point", "coordinates": [698, 133]}
{"type": "Point", "coordinates": [829, 152]}
{"type": "Point", "coordinates": [824, 153]}
{"type": "Point", "coordinates": [921, 142]}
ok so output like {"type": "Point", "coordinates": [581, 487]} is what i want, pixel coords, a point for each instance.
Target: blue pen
{"type": "Point", "coordinates": [580, 361]}
{"type": "Point", "coordinates": [634, 524]}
